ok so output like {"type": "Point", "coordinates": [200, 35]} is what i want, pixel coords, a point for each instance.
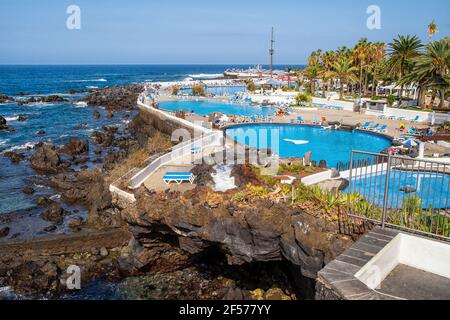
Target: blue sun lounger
{"type": "Point", "coordinates": [365, 126]}
{"type": "Point", "coordinates": [383, 129]}
{"type": "Point", "coordinates": [300, 119]}
{"type": "Point", "coordinates": [416, 119]}
{"type": "Point", "coordinates": [178, 177]}
{"type": "Point", "coordinates": [375, 127]}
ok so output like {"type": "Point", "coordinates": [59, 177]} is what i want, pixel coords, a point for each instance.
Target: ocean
{"type": "Point", "coordinates": [61, 121]}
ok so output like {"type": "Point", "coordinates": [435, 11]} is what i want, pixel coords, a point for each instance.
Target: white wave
{"type": "Point", "coordinates": [89, 80]}
{"type": "Point", "coordinates": [206, 75]}
{"type": "Point", "coordinates": [15, 118]}
{"type": "Point", "coordinates": [41, 186]}
{"type": "Point", "coordinates": [23, 146]}
{"type": "Point", "coordinates": [3, 142]}
{"type": "Point", "coordinates": [55, 197]}
{"type": "Point", "coordinates": [222, 178]}
{"type": "Point", "coordinates": [41, 104]}
{"type": "Point", "coordinates": [81, 104]}
{"type": "Point", "coordinates": [91, 87]}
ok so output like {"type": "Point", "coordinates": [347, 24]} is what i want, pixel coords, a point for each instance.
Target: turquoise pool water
{"type": "Point", "coordinates": [204, 108]}
{"type": "Point", "coordinates": [431, 188]}
{"type": "Point", "coordinates": [332, 146]}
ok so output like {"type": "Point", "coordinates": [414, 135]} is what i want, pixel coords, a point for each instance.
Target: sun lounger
{"type": "Point", "coordinates": [375, 127]}
{"type": "Point", "coordinates": [178, 177]}
{"type": "Point", "coordinates": [365, 126]}
{"type": "Point", "coordinates": [416, 119]}
{"type": "Point", "coordinates": [300, 119]}
{"type": "Point", "coordinates": [383, 129]}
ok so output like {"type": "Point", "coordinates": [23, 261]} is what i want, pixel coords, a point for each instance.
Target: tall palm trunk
{"type": "Point", "coordinates": [360, 79]}
{"type": "Point", "coordinates": [341, 89]}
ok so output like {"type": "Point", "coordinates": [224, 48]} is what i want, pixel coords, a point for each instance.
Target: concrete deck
{"type": "Point", "coordinates": [415, 284]}
{"type": "Point", "coordinates": [155, 181]}
{"type": "Point", "coordinates": [337, 280]}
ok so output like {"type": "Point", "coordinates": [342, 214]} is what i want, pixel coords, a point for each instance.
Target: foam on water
{"type": "Point", "coordinates": [22, 146]}
{"type": "Point", "coordinates": [13, 118]}
{"type": "Point", "coordinates": [223, 181]}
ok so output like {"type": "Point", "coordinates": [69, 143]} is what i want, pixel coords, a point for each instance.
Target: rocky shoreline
{"type": "Point", "coordinates": [198, 245]}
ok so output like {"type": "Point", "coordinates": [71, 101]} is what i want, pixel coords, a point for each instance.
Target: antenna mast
{"type": "Point", "coordinates": [271, 52]}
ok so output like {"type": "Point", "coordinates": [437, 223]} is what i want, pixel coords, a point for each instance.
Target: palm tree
{"type": "Point", "coordinates": [360, 54]}
{"type": "Point", "coordinates": [312, 73]}
{"type": "Point", "coordinates": [432, 29]}
{"type": "Point", "coordinates": [401, 51]}
{"type": "Point", "coordinates": [343, 70]}
{"type": "Point", "coordinates": [431, 70]}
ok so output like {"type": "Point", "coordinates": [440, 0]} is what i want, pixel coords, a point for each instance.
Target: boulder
{"type": "Point", "coordinates": [14, 156]}
{"type": "Point", "coordinates": [44, 201]}
{"type": "Point", "coordinates": [35, 278]}
{"type": "Point", "coordinates": [75, 147]}
{"type": "Point", "coordinates": [54, 214]}
{"type": "Point", "coordinates": [4, 232]}
{"type": "Point", "coordinates": [46, 159]}
{"type": "Point", "coordinates": [96, 115]}
{"type": "Point", "coordinates": [28, 190]}
{"type": "Point", "coordinates": [76, 223]}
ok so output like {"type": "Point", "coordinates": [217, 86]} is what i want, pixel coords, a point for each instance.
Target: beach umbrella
{"type": "Point", "coordinates": [411, 143]}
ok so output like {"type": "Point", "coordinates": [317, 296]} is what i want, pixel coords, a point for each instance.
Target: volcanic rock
{"type": "Point", "coordinates": [54, 214]}
{"type": "Point", "coordinates": [14, 156]}
{"type": "Point", "coordinates": [46, 159]}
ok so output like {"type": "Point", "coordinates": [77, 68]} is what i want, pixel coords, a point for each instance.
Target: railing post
{"type": "Point", "coordinates": [386, 191]}
{"type": "Point", "coordinates": [350, 183]}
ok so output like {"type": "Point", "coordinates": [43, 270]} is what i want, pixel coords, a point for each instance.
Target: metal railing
{"type": "Point", "coordinates": [401, 192]}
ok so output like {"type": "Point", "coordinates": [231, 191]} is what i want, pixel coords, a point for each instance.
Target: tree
{"type": "Point", "coordinates": [360, 54]}
{"type": "Point", "coordinates": [431, 70]}
{"type": "Point", "coordinates": [344, 71]}
{"type": "Point", "coordinates": [401, 51]}
{"type": "Point", "coordinates": [198, 90]}
{"type": "Point", "coordinates": [303, 98]}
{"type": "Point", "coordinates": [175, 90]}
{"type": "Point", "coordinates": [432, 29]}
{"type": "Point", "coordinates": [251, 86]}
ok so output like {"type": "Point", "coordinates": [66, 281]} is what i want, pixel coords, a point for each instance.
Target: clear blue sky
{"type": "Point", "coordinates": [200, 31]}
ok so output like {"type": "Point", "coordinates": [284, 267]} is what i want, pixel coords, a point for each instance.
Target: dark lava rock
{"type": "Point", "coordinates": [54, 214]}
{"type": "Point", "coordinates": [28, 190]}
{"type": "Point", "coordinates": [4, 232]}
{"type": "Point", "coordinates": [110, 114]}
{"type": "Point", "coordinates": [51, 228]}
{"type": "Point", "coordinates": [21, 118]}
{"type": "Point", "coordinates": [32, 278]}
{"type": "Point", "coordinates": [75, 147]}
{"type": "Point", "coordinates": [44, 201]}
{"type": "Point", "coordinates": [14, 156]}
{"type": "Point", "coordinates": [116, 98]}
{"type": "Point", "coordinates": [46, 159]}
{"type": "Point", "coordinates": [41, 133]}
{"type": "Point", "coordinates": [203, 173]}
{"type": "Point", "coordinates": [4, 98]}
{"type": "Point", "coordinates": [96, 115]}
{"type": "Point", "coordinates": [76, 223]}
{"type": "Point", "coordinates": [4, 126]}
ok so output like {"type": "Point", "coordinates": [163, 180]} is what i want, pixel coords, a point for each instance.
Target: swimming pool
{"type": "Point", "coordinates": [293, 141]}
{"type": "Point", "coordinates": [431, 188]}
{"type": "Point", "coordinates": [204, 108]}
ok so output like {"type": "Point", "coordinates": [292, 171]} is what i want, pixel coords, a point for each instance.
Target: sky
{"type": "Point", "coordinates": [201, 31]}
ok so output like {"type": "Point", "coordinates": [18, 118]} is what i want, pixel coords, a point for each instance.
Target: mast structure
{"type": "Point", "coordinates": [271, 52]}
